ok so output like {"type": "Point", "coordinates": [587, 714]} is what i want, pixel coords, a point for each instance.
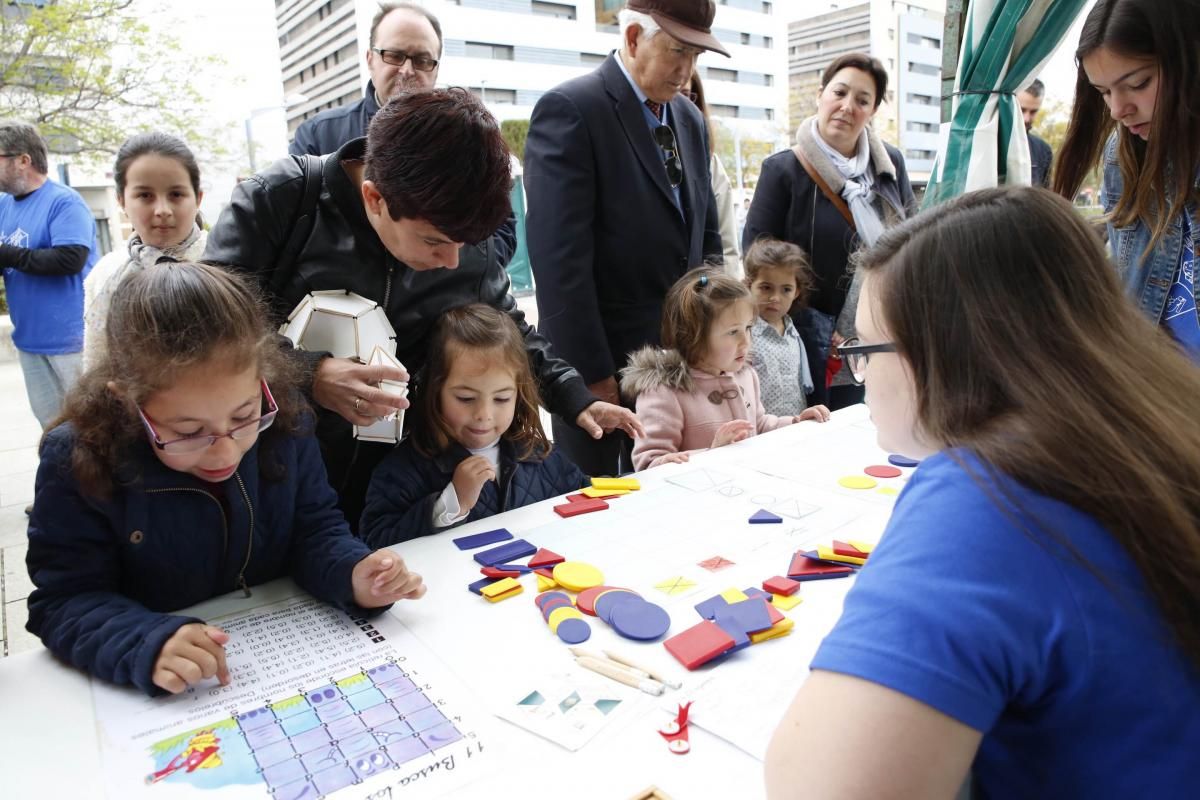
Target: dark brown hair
{"type": "Point", "coordinates": [154, 143]}
{"type": "Point", "coordinates": [691, 307]}
{"type": "Point", "coordinates": [479, 327]}
{"type": "Point", "coordinates": [159, 144]}
{"type": "Point", "coordinates": [1158, 174]}
{"type": "Point", "coordinates": [864, 63]}
{"type": "Point", "coordinates": [163, 321]}
{"type": "Point", "coordinates": [1025, 352]}
{"type": "Point", "coordinates": [437, 155]}
{"type": "Point", "coordinates": [768, 253]}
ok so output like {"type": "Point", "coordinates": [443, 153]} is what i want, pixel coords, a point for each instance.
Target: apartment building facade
{"type": "Point", "coordinates": [511, 51]}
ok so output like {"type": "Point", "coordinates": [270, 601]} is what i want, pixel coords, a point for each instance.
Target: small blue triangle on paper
{"type": "Point", "coordinates": [764, 517]}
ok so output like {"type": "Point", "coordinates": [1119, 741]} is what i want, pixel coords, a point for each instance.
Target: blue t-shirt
{"type": "Point", "coordinates": [1076, 686]}
{"type": "Point", "coordinates": [47, 310]}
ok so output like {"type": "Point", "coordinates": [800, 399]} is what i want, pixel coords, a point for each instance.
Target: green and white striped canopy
{"type": "Point", "coordinates": [1005, 44]}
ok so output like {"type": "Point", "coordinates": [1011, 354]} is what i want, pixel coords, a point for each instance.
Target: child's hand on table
{"type": "Point", "coordinates": [381, 579]}
{"type": "Point", "coordinates": [733, 431]}
{"type": "Point", "coordinates": [194, 652]}
{"type": "Point", "coordinates": [815, 413]}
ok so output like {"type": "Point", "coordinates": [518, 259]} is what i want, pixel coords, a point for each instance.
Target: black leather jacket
{"type": "Point", "coordinates": [342, 251]}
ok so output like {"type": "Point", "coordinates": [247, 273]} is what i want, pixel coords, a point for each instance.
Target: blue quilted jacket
{"type": "Point", "coordinates": [406, 485]}
{"type": "Point", "coordinates": [109, 573]}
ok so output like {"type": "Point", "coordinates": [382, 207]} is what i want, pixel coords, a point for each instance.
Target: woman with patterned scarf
{"type": "Point", "coordinates": [839, 187]}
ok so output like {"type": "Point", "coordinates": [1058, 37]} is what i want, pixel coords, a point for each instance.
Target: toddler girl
{"type": "Point", "coordinates": [477, 446]}
{"type": "Point", "coordinates": [779, 277]}
{"type": "Point", "coordinates": [699, 392]}
{"type": "Point", "coordinates": [183, 469]}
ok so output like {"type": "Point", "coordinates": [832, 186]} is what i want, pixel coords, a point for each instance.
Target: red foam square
{"type": "Point", "coordinates": [699, 644]}
{"type": "Point", "coordinates": [496, 572]}
{"type": "Point", "coordinates": [781, 585]}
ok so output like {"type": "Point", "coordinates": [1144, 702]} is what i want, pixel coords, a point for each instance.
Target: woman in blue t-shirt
{"type": "Point", "coordinates": [1031, 613]}
{"type": "Point", "coordinates": [1137, 100]}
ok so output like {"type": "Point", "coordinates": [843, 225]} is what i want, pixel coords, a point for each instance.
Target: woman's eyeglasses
{"type": "Point", "coordinates": [203, 441]}
{"type": "Point", "coordinates": [397, 58]}
{"type": "Point", "coordinates": [666, 140]}
{"type": "Point", "coordinates": [856, 355]}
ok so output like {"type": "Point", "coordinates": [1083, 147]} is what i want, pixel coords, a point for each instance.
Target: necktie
{"type": "Point", "coordinates": [655, 109]}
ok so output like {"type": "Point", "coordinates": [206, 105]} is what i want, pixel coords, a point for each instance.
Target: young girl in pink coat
{"type": "Point", "coordinates": [699, 392]}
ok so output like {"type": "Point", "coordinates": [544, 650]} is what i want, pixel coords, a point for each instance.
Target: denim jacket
{"type": "Point", "coordinates": [1147, 280]}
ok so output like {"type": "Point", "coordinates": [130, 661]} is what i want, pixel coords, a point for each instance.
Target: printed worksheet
{"type": "Point", "coordinates": [321, 704]}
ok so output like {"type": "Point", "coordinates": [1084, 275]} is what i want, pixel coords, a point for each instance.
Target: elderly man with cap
{"type": "Point", "coordinates": [620, 202]}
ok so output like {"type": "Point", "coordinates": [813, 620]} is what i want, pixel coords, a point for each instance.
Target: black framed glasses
{"type": "Point", "coordinates": [397, 58]}
{"type": "Point", "coordinates": [203, 441]}
{"type": "Point", "coordinates": [856, 355]}
{"type": "Point", "coordinates": [666, 140]}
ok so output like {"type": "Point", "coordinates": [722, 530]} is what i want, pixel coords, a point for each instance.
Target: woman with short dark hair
{"type": "Point", "coordinates": [839, 186]}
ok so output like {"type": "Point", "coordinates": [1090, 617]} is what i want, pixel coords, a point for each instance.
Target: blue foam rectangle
{"type": "Point", "coordinates": [708, 608]}
{"type": "Point", "coordinates": [751, 616]}
{"type": "Point", "coordinates": [754, 591]}
{"type": "Point", "coordinates": [519, 568]}
{"type": "Point", "coordinates": [510, 551]}
{"type": "Point", "coordinates": [481, 539]}
{"type": "Point", "coordinates": [477, 585]}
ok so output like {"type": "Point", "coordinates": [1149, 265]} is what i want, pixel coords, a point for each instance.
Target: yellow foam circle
{"type": "Point", "coordinates": [575, 576]}
{"type": "Point", "coordinates": [561, 613]}
{"type": "Point", "coordinates": [857, 482]}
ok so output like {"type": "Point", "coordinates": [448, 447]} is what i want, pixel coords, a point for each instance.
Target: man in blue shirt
{"type": "Point", "coordinates": [47, 247]}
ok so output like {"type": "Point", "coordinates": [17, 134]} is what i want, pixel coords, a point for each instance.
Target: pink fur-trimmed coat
{"type": "Point", "coordinates": [675, 404]}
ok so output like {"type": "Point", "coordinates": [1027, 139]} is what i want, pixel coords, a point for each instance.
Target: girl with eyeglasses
{"type": "Point", "coordinates": [699, 392]}
{"type": "Point", "coordinates": [183, 468]}
{"type": "Point", "coordinates": [1030, 619]}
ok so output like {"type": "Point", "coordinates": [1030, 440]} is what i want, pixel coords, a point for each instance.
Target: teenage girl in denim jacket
{"type": "Point", "coordinates": [1138, 60]}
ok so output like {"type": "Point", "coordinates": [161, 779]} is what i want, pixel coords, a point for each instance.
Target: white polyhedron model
{"type": "Point", "coordinates": [349, 325]}
{"type": "Point", "coordinates": [385, 429]}
{"type": "Point", "coordinates": [340, 322]}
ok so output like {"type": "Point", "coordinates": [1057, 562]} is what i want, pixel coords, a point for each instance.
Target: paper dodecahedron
{"type": "Point", "coordinates": [340, 322]}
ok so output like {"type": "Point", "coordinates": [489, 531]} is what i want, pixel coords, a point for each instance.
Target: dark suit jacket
{"type": "Point", "coordinates": [331, 129]}
{"type": "Point", "coordinates": [606, 240]}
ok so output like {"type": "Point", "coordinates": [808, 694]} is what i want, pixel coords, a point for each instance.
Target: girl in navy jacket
{"type": "Point", "coordinates": [182, 469]}
{"type": "Point", "coordinates": [478, 448]}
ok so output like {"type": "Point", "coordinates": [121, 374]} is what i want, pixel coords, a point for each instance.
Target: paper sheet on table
{"type": "Point", "coordinates": [740, 705]}
{"type": "Point", "coordinates": [569, 710]}
{"type": "Point", "coordinates": [320, 704]}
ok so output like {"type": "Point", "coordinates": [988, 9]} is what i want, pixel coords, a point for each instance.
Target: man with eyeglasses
{"type": "Point", "coordinates": [405, 49]}
{"type": "Point", "coordinates": [620, 202]}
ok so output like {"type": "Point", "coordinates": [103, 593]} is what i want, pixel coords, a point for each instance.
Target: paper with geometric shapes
{"type": "Point", "coordinates": [321, 704]}
{"type": "Point", "coordinates": [570, 710]}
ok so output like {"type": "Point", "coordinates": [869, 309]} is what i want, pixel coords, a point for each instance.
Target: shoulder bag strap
{"type": "Point", "coordinates": [837, 201]}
